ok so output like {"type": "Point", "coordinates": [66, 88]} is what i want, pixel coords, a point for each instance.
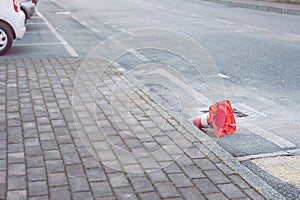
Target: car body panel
{"type": "Point", "coordinates": [16, 20]}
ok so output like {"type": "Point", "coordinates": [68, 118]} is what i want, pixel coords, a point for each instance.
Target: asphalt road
{"type": "Point", "coordinates": [256, 54]}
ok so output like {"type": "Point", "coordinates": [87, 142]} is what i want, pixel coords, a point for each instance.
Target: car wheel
{"type": "Point", "coordinates": [6, 38]}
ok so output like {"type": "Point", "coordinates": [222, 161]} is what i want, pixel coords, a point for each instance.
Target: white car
{"type": "Point", "coordinates": [12, 24]}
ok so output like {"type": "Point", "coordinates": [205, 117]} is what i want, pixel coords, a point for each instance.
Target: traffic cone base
{"type": "Point", "coordinates": [202, 121]}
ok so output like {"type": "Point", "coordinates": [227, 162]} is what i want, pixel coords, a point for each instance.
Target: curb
{"type": "Point", "coordinates": [257, 7]}
{"type": "Point", "coordinates": [259, 184]}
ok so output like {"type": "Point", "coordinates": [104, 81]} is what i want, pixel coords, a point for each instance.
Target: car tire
{"type": "Point", "coordinates": [6, 38]}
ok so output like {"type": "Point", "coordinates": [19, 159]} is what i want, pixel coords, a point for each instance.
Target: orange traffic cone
{"type": "Point", "coordinates": [220, 117]}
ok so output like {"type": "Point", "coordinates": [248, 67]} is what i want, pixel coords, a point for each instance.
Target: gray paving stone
{"type": "Point", "coordinates": [101, 189]}
{"type": "Point", "coordinates": [90, 162]}
{"type": "Point", "coordinates": [149, 196]}
{"type": "Point", "coordinates": [240, 182]}
{"type": "Point", "coordinates": [205, 164]}
{"type": "Point", "coordinates": [191, 193]}
{"type": "Point", "coordinates": [133, 169]}
{"type": "Point", "coordinates": [46, 136]}
{"type": "Point", "coordinates": [224, 169]}
{"type": "Point", "coordinates": [231, 191]}
{"type": "Point", "coordinates": [3, 191]}
{"type": "Point", "coordinates": [253, 194]}
{"type": "Point", "coordinates": [215, 196]}
{"type": "Point", "coordinates": [43, 197]}
{"type": "Point", "coordinates": [11, 139]}
{"type": "Point", "coordinates": [79, 184]}
{"type": "Point", "coordinates": [16, 169]}
{"type": "Point", "coordinates": [64, 139]}
{"type": "Point", "coordinates": [67, 148]}
{"type": "Point", "coordinates": [217, 176]}
{"type": "Point", "coordinates": [125, 193]}
{"type": "Point", "coordinates": [52, 155]}
{"type": "Point", "coordinates": [14, 148]}
{"type": "Point", "coordinates": [16, 157]}
{"type": "Point", "coordinates": [16, 182]}
{"type": "Point", "coordinates": [193, 172]}
{"type": "Point", "coordinates": [49, 145]}
{"type": "Point", "coordinates": [2, 177]}
{"type": "Point", "coordinates": [57, 179]}
{"type": "Point", "coordinates": [184, 160]}
{"type": "Point", "coordinates": [82, 196]}
{"type": "Point", "coordinates": [167, 190]}
{"type": "Point", "coordinates": [180, 180]}
{"type": "Point", "coordinates": [75, 171]}
{"type": "Point", "coordinates": [54, 166]}
{"type": "Point", "coordinates": [158, 176]}
{"type": "Point", "coordinates": [118, 180]}
{"type": "Point", "coordinates": [17, 195]}
{"type": "Point", "coordinates": [71, 159]}
{"type": "Point", "coordinates": [96, 174]}
{"type": "Point", "coordinates": [37, 188]}
{"type": "Point", "coordinates": [172, 168]}
{"type": "Point", "coordinates": [141, 184]}
{"type": "Point", "coordinates": [33, 151]}
{"type": "Point", "coordinates": [206, 186]}
{"type": "Point", "coordinates": [2, 164]}
{"type": "Point", "coordinates": [35, 161]}
{"type": "Point", "coordinates": [36, 174]}
{"type": "Point", "coordinates": [148, 163]}
{"type": "Point", "coordinates": [57, 193]}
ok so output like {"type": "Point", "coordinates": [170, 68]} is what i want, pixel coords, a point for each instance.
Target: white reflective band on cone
{"type": "Point", "coordinates": [204, 120]}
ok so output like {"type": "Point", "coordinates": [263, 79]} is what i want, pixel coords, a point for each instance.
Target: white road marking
{"type": "Point", "coordinates": [63, 13]}
{"type": "Point", "coordinates": [114, 26]}
{"type": "Point", "coordinates": [148, 4]}
{"type": "Point", "coordinates": [38, 32]}
{"type": "Point", "coordinates": [131, 34]}
{"type": "Point", "coordinates": [256, 28]}
{"type": "Point", "coordinates": [138, 55]}
{"type": "Point", "coordinates": [35, 23]}
{"type": "Point", "coordinates": [96, 30]}
{"type": "Point", "coordinates": [40, 44]}
{"type": "Point", "coordinates": [195, 15]}
{"type": "Point", "coordinates": [178, 11]}
{"type": "Point", "coordinates": [294, 151]}
{"type": "Point", "coordinates": [128, 32]}
{"type": "Point", "coordinates": [83, 23]}
{"type": "Point", "coordinates": [114, 40]}
{"type": "Point", "coordinates": [281, 142]}
{"type": "Point", "coordinates": [68, 47]}
{"type": "Point", "coordinates": [224, 76]}
{"type": "Point", "coordinates": [160, 7]}
{"type": "Point", "coordinates": [224, 21]}
{"type": "Point", "coordinates": [264, 155]}
{"type": "Point", "coordinates": [291, 34]}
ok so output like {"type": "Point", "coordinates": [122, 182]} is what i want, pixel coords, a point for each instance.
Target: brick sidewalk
{"type": "Point", "coordinates": [121, 145]}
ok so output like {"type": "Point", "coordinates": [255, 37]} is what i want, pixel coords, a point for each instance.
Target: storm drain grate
{"type": "Point", "coordinates": [238, 113]}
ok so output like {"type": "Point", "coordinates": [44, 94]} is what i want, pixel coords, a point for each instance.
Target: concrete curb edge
{"type": "Point", "coordinates": [253, 179]}
{"type": "Point", "coordinates": [256, 7]}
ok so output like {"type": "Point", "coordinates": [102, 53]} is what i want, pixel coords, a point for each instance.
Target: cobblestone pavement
{"type": "Point", "coordinates": [131, 150]}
